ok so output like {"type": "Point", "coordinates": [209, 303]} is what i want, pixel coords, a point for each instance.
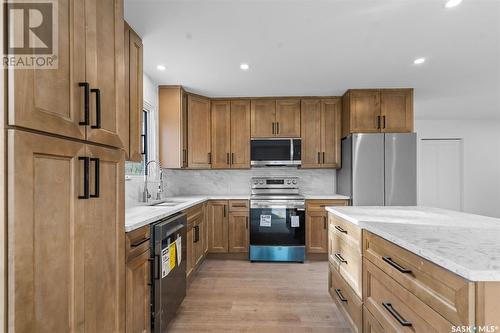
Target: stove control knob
{"type": "Point", "coordinates": [261, 182]}
{"type": "Point", "coordinates": [255, 182]}
{"type": "Point", "coordinates": [288, 181]}
{"type": "Point", "coordinates": [294, 181]}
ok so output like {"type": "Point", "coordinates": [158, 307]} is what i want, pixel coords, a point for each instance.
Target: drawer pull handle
{"type": "Point", "coordinates": [396, 315]}
{"type": "Point", "coordinates": [396, 265]}
{"type": "Point", "coordinates": [239, 206]}
{"type": "Point", "coordinates": [142, 241]}
{"type": "Point", "coordinates": [340, 296]}
{"type": "Point", "coordinates": [340, 258]}
{"type": "Point", "coordinates": [339, 228]}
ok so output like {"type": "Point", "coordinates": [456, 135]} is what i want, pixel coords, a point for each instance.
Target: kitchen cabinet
{"type": "Point", "coordinates": [275, 118]}
{"type": "Point", "coordinates": [230, 134]}
{"type": "Point", "coordinates": [238, 228]}
{"type": "Point", "coordinates": [217, 219]}
{"type": "Point", "coordinates": [199, 137]}
{"type": "Point", "coordinates": [83, 97]}
{"type": "Point", "coordinates": [377, 110]}
{"type": "Point", "coordinates": [287, 118]}
{"type": "Point", "coordinates": [133, 94]}
{"type": "Point", "coordinates": [196, 241]}
{"type": "Point", "coordinates": [173, 127]}
{"type": "Point", "coordinates": [321, 128]}
{"type": "Point", "coordinates": [137, 294]}
{"type": "Point", "coordinates": [317, 224]}
{"type": "Point", "coordinates": [66, 235]}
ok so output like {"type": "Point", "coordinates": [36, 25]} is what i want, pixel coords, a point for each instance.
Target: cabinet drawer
{"type": "Point", "coordinates": [319, 205]}
{"type": "Point", "coordinates": [137, 242]}
{"type": "Point", "coordinates": [370, 324]}
{"type": "Point", "coordinates": [347, 260]}
{"type": "Point", "coordinates": [347, 231]}
{"type": "Point", "coordinates": [238, 205]}
{"type": "Point", "coordinates": [395, 308]}
{"type": "Point", "coordinates": [448, 294]}
{"type": "Point", "coordinates": [348, 302]}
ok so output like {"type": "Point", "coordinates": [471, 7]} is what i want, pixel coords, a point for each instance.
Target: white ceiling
{"type": "Point", "coordinates": [315, 47]}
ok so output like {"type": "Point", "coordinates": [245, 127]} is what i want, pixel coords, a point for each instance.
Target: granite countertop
{"type": "Point", "coordinates": [139, 216]}
{"type": "Point", "coordinates": [465, 244]}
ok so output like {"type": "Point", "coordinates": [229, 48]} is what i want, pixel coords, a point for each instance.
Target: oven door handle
{"type": "Point", "coordinates": [299, 206]}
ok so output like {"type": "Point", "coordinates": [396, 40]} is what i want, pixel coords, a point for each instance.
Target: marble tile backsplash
{"type": "Point", "coordinates": [220, 182]}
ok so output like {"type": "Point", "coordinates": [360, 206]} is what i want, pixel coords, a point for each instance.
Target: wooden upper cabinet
{"type": "Point", "coordinates": [288, 118]}
{"type": "Point", "coordinates": [240, 134]}
{"type": "Point", "coordinates": [133, 93]}
{"type": "Point", "coordinates": [199, 151]}
{"type": "Point", "coordinates": [321, 126]}
{"type": "Point", "coordinates": [377, 110]}
{"type": "Point", "coordinates": [263, 118]}
{"type": "Point", "coordinates": [217, 219]}
{"type": "Point", "coordinates": [51, 100]}
{"type": "Point", "coordinates": [331, 112]}
{"type": "Point", "coordinates": [172, 127]}
{"type": "Point", "coordinates": [105, 71]}
{"type": "Point", "coordinates": [221, 134]}
{"type": "Point", "coordinates": [396, 109]}
{"type": "Point", "coordinates": [311, 133]}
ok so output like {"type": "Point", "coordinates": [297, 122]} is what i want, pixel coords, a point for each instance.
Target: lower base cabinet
{"type": "Point", "coordinates": [317, 224]}
{"type": "Point", "coordinates": [196, 242]}
{"type": "Point", "coordinates": [138, 308]}
{"type": "Point", "coordinates": [228, 226]}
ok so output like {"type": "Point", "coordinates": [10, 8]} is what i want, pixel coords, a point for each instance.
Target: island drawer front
{"type": "Point", "coordinates": [317, 205]}
{"type": "Point", "coordinates": [395, 308]}
{"type": "Point", "coordinates": [137, 241]}
{"type": "Point", "coordinates": [370, 324]}
{"type": "Point", "coordinates": [450, 295]}
{"type": "Point", "coordinates": [347, 261]}
{"type": "Point", "coordinates": [238, 205]}
{"type": "Point", "coordinates": [347, 231]}
{"type": "Point", "coordinates": [349, 303]}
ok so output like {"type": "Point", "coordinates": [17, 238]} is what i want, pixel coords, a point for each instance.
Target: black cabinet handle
{"type": "Point", "coordinates": [323, 157]}
{"type": "Point", "coordinates": [196, 234]}
{"type": "Point", "coordinates": [225, 211]}
{"type": "Point", "coordinates": [232, 158]}
{"type": "Point", "coordinates": [340, 258]}
{"type": "Point", "coordinates": [396, 265]}
{"type": "Point", "coordinates": [97, 93]}
{"type": "Point", "coordinates": [209, 158]}
{"type": "Point", "coordinates": [97, 181]}
{"type": "Point", "coordinates": [86, 101]}
{"type": "Point", "coordinates": [86, 166]}
{"type": "Point", "coordinates": [378, 122]}
{"type": "Point", "coordinates": [277, 128]}
{"type": "Point", "coordinates": [340, 296]}
{"type": "Point", "coordinates": [383, 122]}
{"type": "Point", "coordinates": [247, 222]}
{"type": "Point", "coordinates": [339, 228]}
{"type": "Point", "coordinates": [324, 222]}
{"type": "Point", "coordinates": [319, 157]}
{"type": "Point", "coordinates": [396, 315]}
{"type": "Point", "coordinates": [273, 128]}
{"type": "Point", "coordinates": [227, 159]}
{"type": "Point", "coordinates": [142, 241]}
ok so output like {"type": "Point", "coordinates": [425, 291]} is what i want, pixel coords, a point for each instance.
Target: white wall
{"type": "Point", "coordinates": [481, 144]}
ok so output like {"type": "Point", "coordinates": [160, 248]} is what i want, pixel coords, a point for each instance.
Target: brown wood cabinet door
{"type": "Point", "coordinates": [316, 232]}
{"type": "Point", "coordinates": [138, 294]}
{"type": "Point", "coordinates": [45, 223]}
{"type": "Point", "coordinates": [263, 117]}
{"type": "Point", "coordinates": [189, 250]}
{"type": "Point", "coordinates": [199, 132]}
{"type": "Point", "coordinates": [134, 87]}
{"type": "Point", "coordinates": [105, 70]}
{"type": "Point", "coordinates": [311, 133]}
{"type": "Point", "coordinates": [104, 239]}
{"type": "Point", "coordinates": [365, 111]}
{"type": "Point", "coordinates": [238, 232]}
{"type": "Point", "coordinates": [50, 100]}
{"type": "Point", "coordinates": [205, 229]}
{"type": "Point", "coordinates": [396, 107]}
{"type": "Point", "coordinates": [221, 134]}
{"type": "Point", "coordinates": [217, 218]}
{"type": "Point", "coordinates": [240, 134]}
{"type": "Point", "coordinates": [330, 133]}
{"type": "Point", "coordinates": [288, 118]}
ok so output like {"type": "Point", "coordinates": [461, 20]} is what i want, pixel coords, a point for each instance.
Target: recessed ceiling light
{"type": "Point", "coordinates": [244, 67]}
{"type": "Point", "coordinates": [452, 3]}
{"type": "Point", "coordinates": [419, 61]}
{"type": "Point", "coordinates": [161, 67]}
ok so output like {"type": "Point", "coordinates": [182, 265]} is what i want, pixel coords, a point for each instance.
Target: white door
{"type": "Point", "coordinates": [441, 173]}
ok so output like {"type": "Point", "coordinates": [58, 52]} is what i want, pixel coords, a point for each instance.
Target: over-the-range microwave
{"type": "Point", "coordinates": [275, 152]}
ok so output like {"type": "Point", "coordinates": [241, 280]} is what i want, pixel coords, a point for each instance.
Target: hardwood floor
{"type": "Point", "coordinates": [239, 296]}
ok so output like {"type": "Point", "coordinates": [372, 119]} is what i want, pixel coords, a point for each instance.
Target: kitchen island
{"type": "Point", "coordinates": [425, 268]}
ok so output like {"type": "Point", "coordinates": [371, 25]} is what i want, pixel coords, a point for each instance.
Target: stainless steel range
{"type": "Point", "coordinates": [277, 220]}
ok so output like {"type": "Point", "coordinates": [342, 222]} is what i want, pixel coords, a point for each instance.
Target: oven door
{"type": "Point", "coordinates": [277, 222]}
{"type": "Point", "coordinates": [269, 152]}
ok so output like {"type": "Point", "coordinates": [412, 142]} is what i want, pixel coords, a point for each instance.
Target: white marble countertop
{"type": "Point", "coordinates": [465, 244]}
{"type": "Point", "coordinates": [326, 197]}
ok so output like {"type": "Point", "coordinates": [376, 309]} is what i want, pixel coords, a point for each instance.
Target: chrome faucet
{"type": "Point", "coordinates": [145, 193]}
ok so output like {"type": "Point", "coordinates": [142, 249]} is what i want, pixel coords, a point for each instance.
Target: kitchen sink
{"type": "Point", "coordinates": [168, 203]}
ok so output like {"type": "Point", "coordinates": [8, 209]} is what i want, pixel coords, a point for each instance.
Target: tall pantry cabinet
{"type": "Point", "coordinates": [65, 131]}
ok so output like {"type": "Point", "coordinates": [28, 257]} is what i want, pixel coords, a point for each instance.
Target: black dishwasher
{"type": "Point", "coordinates": [168, 273]}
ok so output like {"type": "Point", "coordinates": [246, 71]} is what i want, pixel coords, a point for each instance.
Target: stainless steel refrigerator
{"type": "Point", "coordinates": [379, 169]}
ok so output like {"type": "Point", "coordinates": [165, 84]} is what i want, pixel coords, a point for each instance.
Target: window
{"type": "Point", "coordinates": [147, 142]}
